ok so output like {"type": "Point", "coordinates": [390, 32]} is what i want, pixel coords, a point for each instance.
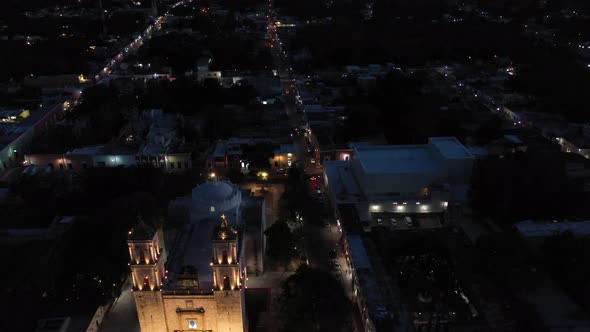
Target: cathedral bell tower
{"type": "Point", "coordinates": [147, 263]}
{"type": "Point", "coordinates": [227, 279]}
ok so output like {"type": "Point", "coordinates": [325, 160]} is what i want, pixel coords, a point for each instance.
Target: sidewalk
{"type": "Point", "coordinates": [123, 315]}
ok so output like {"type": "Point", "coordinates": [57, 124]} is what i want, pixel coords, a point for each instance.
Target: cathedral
{"type": "Point", "coordinates": [199, 287]}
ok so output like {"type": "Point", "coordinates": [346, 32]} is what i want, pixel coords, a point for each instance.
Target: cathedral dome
{"type": "Point", "coordinates": [216, 197]}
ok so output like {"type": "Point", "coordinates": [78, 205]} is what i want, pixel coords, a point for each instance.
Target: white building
{"type": "Point", "coordinates": [401, 179]}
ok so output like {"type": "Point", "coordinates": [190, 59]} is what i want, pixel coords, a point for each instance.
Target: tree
{"type": "Point", "coordinates": [501, 256]}
{"type": "Point", "coordinates": [565, 258]}
{"type": "Point", "coordinates": [258, 155]}
{"type": "Point", "coordinates": [488, 131]}
{"type": "Point", "coordinates": [515, 188]}
{"type": "Point", "coordinates": [313, 300]}
{"type": "Point", "coordinates": [280, 242]}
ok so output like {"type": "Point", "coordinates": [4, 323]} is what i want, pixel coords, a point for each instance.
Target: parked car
{"type": "Point", "coordinates": [409, 221]}
{"type": "Point", "coordinates": [393, 222]}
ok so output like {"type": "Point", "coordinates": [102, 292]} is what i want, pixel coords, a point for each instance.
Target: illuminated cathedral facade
{"type": "Point", "coordinates": [198, 288]}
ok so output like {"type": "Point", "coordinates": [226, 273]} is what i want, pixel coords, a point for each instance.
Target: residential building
{"type": "Point", "coordinates": [18, 130]}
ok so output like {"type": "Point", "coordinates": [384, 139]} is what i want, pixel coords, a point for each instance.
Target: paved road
{"type": "Point", "coordinates": [123, 315]}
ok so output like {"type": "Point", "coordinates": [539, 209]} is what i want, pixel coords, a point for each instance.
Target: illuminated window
{"type": "Point", "coordinates": [212, 209]}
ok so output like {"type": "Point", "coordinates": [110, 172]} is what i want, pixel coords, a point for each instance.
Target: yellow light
{"type": "Point", "coordinates": [263, 175]}
{"type": "Point", "coordinates": [212, 175]}
{"type": "Point", "coordinates": [289, 154]}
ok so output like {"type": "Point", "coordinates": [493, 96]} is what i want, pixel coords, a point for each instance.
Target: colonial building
{"type": "Point", "coordinates": [198, 288]}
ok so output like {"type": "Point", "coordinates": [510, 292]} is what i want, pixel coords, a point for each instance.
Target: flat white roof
{"type": "Point", "coordinates": [396, 159]}
{"type": "Point", "coordinates": [400, 159]}
{"type": "Point", "coordinates": [342, 182]}
{"type": "Point", "coordinates": [358, 253]}
{"type": "Point", "coordinates": [450, 148]}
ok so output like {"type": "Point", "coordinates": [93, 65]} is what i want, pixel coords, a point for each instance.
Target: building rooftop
{"type": "Point", "coordinates": [197, 250]}
{"type": "Point", "coordinates": [379, 159]}
{"type": "Point", "coordinates": [343, 184]}
{"type": "Point", "coordinates": [450, 148]}
{"type": "Point", "coordinates": [220, 149]}
{"type": "Point", "coordinates": [215, 191]}
{"type": "Point", "coordinates": [531, 228]}
{"type": "Point", "coordinates": [358, 254]}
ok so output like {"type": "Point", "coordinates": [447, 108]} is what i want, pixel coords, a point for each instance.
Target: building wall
{"type": "Point", "coordinates": [223, 311]}
{"type": "Point", "coordinates": [283, 160]}
{"type": "Point", "coordinates": [178, 162]}
{"type": "Point", "coordinates": [569, 147]}
{"type": "Point", "coordinates": [230, 311]}
{"type": "Point", "coordinates": [150, 311]}
{"type": "Point", "coordinates": [178, 319]}
{"type": "Point", "coordinates": [8, 157]}
{"type": "Point", "coordinates": [120, 160]}
{"type": "Point", "coordinates": [79, 162]}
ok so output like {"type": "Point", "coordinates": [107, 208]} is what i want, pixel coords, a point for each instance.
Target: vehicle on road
{"type": "Point", "coordinates": [393, 222]}
{"type": "Point", "coordinates": [379, 221]}
{"type": "Point", "coordinates": [409, 221]}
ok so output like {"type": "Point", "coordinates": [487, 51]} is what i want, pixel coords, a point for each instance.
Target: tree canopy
{"type": "Point", "coordinates": [313, 300]}
{"type": "Point", "coordinates": [280, 242]}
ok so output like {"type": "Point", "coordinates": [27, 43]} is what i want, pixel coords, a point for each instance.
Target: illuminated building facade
{"type": "Point", "coordinates": [176, 297]}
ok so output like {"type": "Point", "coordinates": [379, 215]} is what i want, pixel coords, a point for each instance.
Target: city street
{"type": "Point", "coordinates": [320, 239]}
{"type": "Point", "coordinates": [122, 316]}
